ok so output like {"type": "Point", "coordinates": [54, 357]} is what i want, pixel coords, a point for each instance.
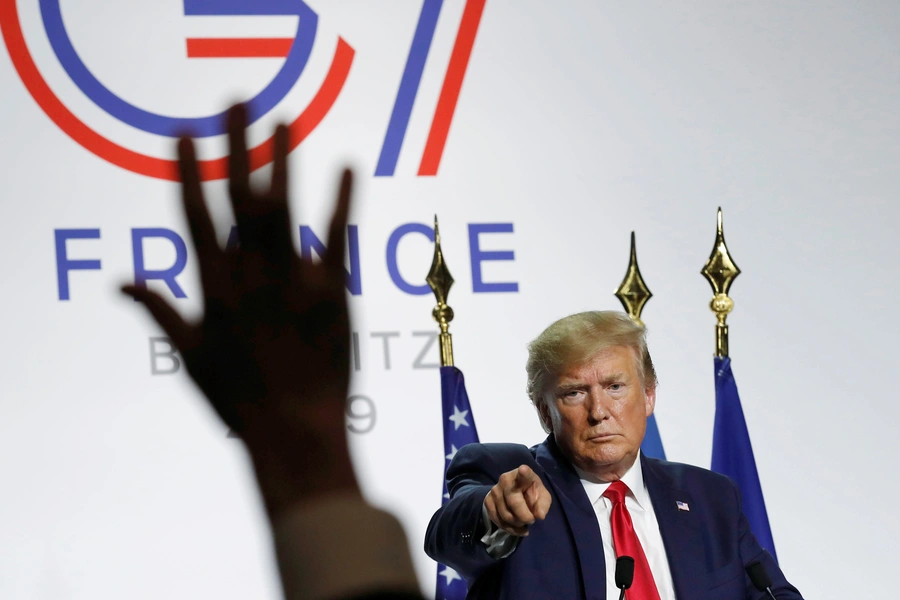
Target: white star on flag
{"type": "Point", "coordinates": [453, 452]}
{"type": "Point", "coordinates": [459, 417]}
{"type": "Point", "coordinates": [450, 574]}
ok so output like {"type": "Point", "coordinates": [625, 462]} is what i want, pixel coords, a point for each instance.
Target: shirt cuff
{"type": "Point", "coordinates": [499, 543]}
{"type": "Point", "coordinates": [339, 546]}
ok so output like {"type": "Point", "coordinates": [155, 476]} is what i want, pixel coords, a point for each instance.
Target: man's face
{"type": "Point", "coordinates": [598, 413]}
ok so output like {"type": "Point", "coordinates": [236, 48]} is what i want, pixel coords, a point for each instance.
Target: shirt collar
{"type": "Point", "coordinates": [633, 478]}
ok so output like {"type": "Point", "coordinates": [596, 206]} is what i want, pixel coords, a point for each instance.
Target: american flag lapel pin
{"type": "Point", "coordinates": [682, 506]}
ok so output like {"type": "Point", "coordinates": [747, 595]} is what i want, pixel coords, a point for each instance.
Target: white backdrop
{"type": "Point", "coordinates": [577, 123]}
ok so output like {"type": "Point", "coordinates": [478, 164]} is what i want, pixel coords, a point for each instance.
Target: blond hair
{"type": "Point", "coordinates": [577, 338]}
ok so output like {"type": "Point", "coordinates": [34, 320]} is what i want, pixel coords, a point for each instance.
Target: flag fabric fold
{"type": "Point", "coordinates": [459, 430]}
{"type": "Point", "coordinates": [652, 445]}
{"type": "Point", "coordinates": [732, 454]}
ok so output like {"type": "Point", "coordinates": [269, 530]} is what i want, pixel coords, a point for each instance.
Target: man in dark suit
{"type": "Point", "coordinates": [549, 522]}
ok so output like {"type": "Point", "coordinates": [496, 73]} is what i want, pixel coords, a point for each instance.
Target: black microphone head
{"type": "Point", "coordinates": [757, 573]}
{"type": "Point", "coordinates": [624, 572]}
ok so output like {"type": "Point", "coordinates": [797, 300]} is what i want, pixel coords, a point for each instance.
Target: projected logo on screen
{"type": "Point", "coordinates": [293, 52]}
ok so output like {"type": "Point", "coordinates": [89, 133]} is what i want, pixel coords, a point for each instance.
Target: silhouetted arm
{"type": "Point", "coordinates": [271, 354]}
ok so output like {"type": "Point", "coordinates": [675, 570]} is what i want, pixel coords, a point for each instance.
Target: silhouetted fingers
{"type": "Point", "coordinates": [202, 231]}
{"type": "Point", "coordinates": [337, 232]}
{"type": "Point", "coordinates": [166, 316]}
{"type": "Point", "coordinates": [279, 187]}
{"type": "Point", "coordinates": [238, 162]}
{"type": "Point", "coordinates": [270, 228]}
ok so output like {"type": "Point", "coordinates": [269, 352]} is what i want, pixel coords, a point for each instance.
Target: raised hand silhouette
{"type": "Point", "coordinates": [271, 352]}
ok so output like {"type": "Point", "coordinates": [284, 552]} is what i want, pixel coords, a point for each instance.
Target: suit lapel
{"type": "Point", "coordinates": [681, 529]}
{"type": "Point", "coordinates": [579, 514]}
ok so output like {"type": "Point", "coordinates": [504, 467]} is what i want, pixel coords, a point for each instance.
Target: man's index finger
{"type": "Point", "coordinates": [525, 477]}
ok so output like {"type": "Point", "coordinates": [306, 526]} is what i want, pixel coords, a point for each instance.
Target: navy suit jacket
{"type": "Point", "coordinates": [562, 556]}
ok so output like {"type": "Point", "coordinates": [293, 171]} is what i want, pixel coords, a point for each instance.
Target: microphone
{"type": "Point", "coordinates": [761, 580]}
{"type": "Point", "coordinates": [624, 574]}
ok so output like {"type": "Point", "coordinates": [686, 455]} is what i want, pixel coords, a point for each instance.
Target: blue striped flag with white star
{"type": "Point", "coordinates": [459, 430]}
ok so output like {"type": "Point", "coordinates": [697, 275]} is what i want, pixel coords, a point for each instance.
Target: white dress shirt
{"type": "Point", "coordinates": [501, 544]}
{"type": "Point", "coordinates": [637, 501]}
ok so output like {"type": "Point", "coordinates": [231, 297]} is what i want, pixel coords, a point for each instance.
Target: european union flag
{"type": "Point", "coordinates": [732, 453]}
{"type": "Point", "coordinates": [459, 430]}
{"type": "Point", "coordinates": [652, 444]}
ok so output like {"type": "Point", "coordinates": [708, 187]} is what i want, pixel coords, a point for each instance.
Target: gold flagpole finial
{"type": "Point", "coordinates": [721, 272]}
{"type": "Point", "coordinates": [440, 281]}
{"type": "Point", "coordinates": [633, 292]}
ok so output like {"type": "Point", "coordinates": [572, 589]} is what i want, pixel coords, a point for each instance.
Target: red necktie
{"type": "Point", "coordinates": [626, 543]}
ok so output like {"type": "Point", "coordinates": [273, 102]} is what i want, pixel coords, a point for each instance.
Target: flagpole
{"type": "Point", "coordinates": [633, 293]}
{"type": "Point", "coordinates": [721, 272]}
{"type": "Point", "coordinates": [458, 419]}
{"type": "Point", "coordinates": [440, 281]}
{"type": "Point", "coordinates": [732, 451]}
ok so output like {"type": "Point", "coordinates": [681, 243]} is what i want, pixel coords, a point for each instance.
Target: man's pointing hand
{"type": "Point", "coordinates": [517, 500]}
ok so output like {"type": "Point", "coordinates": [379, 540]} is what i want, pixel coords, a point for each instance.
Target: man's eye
{"type": "Point", "coordinates": [616, 387]}
{"type": "Point", "coordinates": [572, 394]}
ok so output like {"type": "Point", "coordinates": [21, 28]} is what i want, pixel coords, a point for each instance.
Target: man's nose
{"type": "Point", "coordinates": [597, 409]}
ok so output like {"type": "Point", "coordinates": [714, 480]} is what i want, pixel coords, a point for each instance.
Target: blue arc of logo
{"type": "Point", "coordinates": [211, 125]}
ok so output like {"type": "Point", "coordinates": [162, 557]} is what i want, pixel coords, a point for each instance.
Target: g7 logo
{"type": "Point", "coordinates": [296, 53]}
{"type": "Point", "coordinates": [295, 61]}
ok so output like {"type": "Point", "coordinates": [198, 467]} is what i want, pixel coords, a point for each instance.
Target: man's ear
{"type": "Point", "coordinates": [650, 400]}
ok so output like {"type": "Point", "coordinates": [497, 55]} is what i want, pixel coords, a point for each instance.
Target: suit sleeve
{"type": "Point", "coordinates": [454, 534]}
{"type": "Point", "coordinates": [751, 552]}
